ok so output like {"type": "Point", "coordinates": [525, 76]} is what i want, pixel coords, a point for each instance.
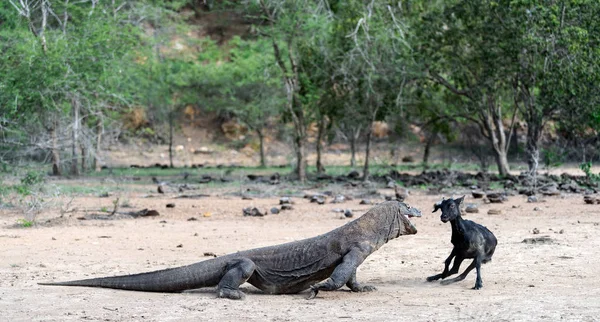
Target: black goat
{"type": "Point", "coordinates": [470, 240]}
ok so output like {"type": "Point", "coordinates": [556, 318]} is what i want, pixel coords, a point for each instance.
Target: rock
{"type": "Point", "coordinates": [192, 219]}
{"type": "Point", "coordinates": [477, 194]}
{"type": "Point", "coordinates": [550, 190]}
{"type": "Point", "coordinates": [354, 175]}
{"type": "Point", "coordinates": [389, 198]}
{"type": "Point", "coordinates": [591, 199]}
{"type": "Point", "coordinates": [246, 198]}
{"type": "Point", "coordinates": [391, 184]}
{"type": "Point", "coordinates": [366, 202]}
{"type": "Point", "coordinates": [535, 231]}
{"type": "Point", "coordinates": [274, 210]}
{"type": "Point", "coordinates": [538, 240]}
{"type": "Point", "coordinates": [286, 206]}
{"type": "Point", "coordinates": [338, 199]}
{"type": "Point", "coordinates": [160, 189]}
{"type": "Point", "coordinates": [170, 205]}
{"type": "Point", "coordinates": [495, 197]}
{"type": "Point", "coordinates": [408, 159]}
{"type": "Point", "coordinates": [285, 200]}
{"type": "Point", "coordinates": [494, 212]}
{"type": "Point", "coordinates": [348, 213]}
{"type": "Point", "coordinates": [340, 210]}
{"type": "Point", "coordinates": [537, 209]}
{"type": "Point", "coordinates": [562, 231]}
{"type": "Point", "coordinates": [472, 209]}
{"type": "Point", "coordinates": [209, 254]}
{"type": "Point", "coordinates": [319, 199]}
{"type": "Point", "coordinates": [254, 212]}
{"type": "Point", "coordinates": [532, 199]}
{"type": "Point", "coordinates": [401, 193]}
{"type": "Point", "coordinates": [206, 214]}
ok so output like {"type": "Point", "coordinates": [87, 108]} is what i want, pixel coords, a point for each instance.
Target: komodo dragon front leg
{"type": "Point", "coordinates": [345, 274]}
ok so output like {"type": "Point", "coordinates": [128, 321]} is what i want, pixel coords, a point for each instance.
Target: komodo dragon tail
{"type": "Point", "coordinates": [202, 274]}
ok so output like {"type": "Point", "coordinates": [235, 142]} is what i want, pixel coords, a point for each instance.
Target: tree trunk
{"type": "Point", "coordinates": [83, 148]}
{"type": "Point", "coordinates": [502, 162]}
{"type": "Point", "coordinates": [171, 125]}
{"type": "Point", "coordinates": [367, 153]}
{"type": "Point", "coordinates": [428, 145]}
{"type": "Point", "coordinates": [300, 162]}
{"type": "Point", "coordinates": [352, 151]}
{"type": "Point", "coordinates": [83, 159]}
{"type": "Point", "coordinates": [261, 140]}
{"type": "Point", "coordinates": [320, 133]}
{"type": "Point", "coordinates": [97, 166]}
{"type": "Point", "coordinates": [54, 150]}
{"type": "Point", "coordinates": [534, 131]}
{"type": "Point", "coordinates": [75, 137]}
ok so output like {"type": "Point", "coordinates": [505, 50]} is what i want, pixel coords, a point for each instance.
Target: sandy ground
{"type": "Point", "coordinates": [524, 282]}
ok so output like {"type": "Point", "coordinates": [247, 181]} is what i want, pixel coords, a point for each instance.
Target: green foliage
{"type": "Point", "coordinates": [32, 178]}
{"type": "Point", "coordinates": [586, 167]}
{"type": "Point", "coordinates": [553, 157]}
{"type": "Point", "coordinates": [25, 223]}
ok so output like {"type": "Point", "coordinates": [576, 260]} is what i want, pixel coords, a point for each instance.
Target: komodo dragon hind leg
{"type": "Point", "coordinates": [344, 273]}
{"type": "Point", "coordinates": [237, 274]}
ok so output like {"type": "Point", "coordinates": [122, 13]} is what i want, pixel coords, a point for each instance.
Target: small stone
{"type": "Point", "coordinates": [195, 234]}
{"type": "Point", "coordinates": [535, 231]}
{"type": "Point", "coordinates": [348, 213]}
{"type": "Point", "coordinates": [472, 209]}
{"type": "Point", "coordinates": [192, 219]}
{"type": "Point", "coordinates": [162, 222]}
{"type": "Point", "coordinates": [253, 212]}
{"type": "Point", "coordinates": [366, 202]}
{"type": "Point", "coordinates": [538, 240]}
{"type": "Point", "coordinates": [477, 194]}
{"type": "Point", "coordinates": [562, 231]}
{"type": "Point", "coordinates": [274, 210]}
{"type": "Point", "coordinates": [319, 199]}
{"type": "Point", "coordinates": [516, 206]}
{"type": "Point", "coordinates": [391, 184]}
{"type": "Point", "coordinates": [537, 209]}
{"type": "Point", "coordinates": [389, 198]}
{"type": "Point", "coordinates": [287, 206]}
{"type": "Point", "coordinates": [494, 212]}
{"type": "Point", "coordinates": [532, 199]}
{"type": "Point", "coordinates": [206, 214]}
{"type": "Point", "coordinates": [170, 205]}
{"type": "Point", "coordinates": [338, 199]}
{"type": "Point", "coordinates": [285, 200]}
{"type": "Point", "coordinates": [340, 210]}
{"type": "Point", "coordinates": [180, 246]}
{"type": "Point", "coordinates": [210, 254]}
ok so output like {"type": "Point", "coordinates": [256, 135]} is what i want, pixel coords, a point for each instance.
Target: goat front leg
{"type": "Point", "coordinates": [461, 276]}
{"type": "Point", "coordinates": [445, 273]}
{"type": "Point", "coordinates": [342, 274]}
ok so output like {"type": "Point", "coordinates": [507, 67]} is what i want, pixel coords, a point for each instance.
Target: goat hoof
{"type": "Point", "coordinates": [477, 287]}
{"type": "Point", "coordinates": [432, 278]}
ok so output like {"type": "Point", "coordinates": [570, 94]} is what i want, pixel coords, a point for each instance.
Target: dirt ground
{"type": "Point", "coordinates": [524, 282]}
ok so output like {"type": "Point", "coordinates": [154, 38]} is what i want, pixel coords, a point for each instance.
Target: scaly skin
{"type": "Point", "coordinates": [326, 262]}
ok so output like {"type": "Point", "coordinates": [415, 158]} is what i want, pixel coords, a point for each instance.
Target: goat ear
{"type": "Point", "coordinates": [436, 207]}
{"type": "Point", "coordinates": [459, 200]}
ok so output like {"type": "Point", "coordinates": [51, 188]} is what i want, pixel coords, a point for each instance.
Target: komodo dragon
{"type": "Point", "coordinates": [326, 262]}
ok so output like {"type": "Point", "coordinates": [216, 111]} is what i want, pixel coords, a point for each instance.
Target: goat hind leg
{"type": "Point", "coordinates": [461, 276]}
{"type": "Point", "coordinates": [478, 283]}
